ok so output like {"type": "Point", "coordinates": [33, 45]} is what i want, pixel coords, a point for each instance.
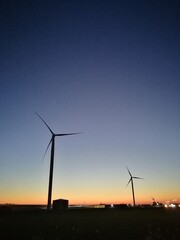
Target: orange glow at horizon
{"type": "Point", "coordinates": [87, 194]}
{"type": "Point", "coordinates": [86, 199]}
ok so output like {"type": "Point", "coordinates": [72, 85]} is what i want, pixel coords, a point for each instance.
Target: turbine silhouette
{"type": "Point", "coordinates": [52, 142]}
{"type": "Point", "coordinates": [132, 184]}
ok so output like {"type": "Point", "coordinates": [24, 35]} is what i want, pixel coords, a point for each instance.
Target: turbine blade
{"type": "Point", "coordinates": [137, 178]}
{"type": "Point", "coordinates": [65, 134]}
{"type": "Point", "coordinates": [47, 149]}
{"type": "Point", "coordinates": [44, 123]}
{"type": "Point", "coordinates": [128, 182]}
{"type": "Point", "coordinates": [129, 172]}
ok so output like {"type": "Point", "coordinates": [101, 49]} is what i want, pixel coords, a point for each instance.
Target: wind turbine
{"type": "Point", "coordinates": [52, 142]}
{"type": "Point", "coordinates": [132, 184]}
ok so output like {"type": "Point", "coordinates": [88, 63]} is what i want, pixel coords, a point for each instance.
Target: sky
{"type": "Point", "coordinates": [108, 69]}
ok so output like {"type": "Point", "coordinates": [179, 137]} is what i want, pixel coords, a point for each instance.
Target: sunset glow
{"type": "Point", "coordinates": [107, 69]}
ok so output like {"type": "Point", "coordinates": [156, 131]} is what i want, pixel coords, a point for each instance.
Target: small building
{"type": "Point", "coordinates": [60, 204]}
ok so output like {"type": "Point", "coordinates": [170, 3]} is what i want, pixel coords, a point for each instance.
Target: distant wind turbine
{"type": "Point", "coordinates": [132, 184]}
{"type": "Point", "coordinates": [52, 142]}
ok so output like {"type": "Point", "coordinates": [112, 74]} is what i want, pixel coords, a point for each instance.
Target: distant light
{"type": "Point", "coordinates": [173, 205]}
{"type": "Point", "coordinates": [166, 206]}
{"type": "Point", "coordinates": [112, 205]}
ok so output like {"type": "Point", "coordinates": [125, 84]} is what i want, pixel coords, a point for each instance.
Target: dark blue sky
{"type": "Point", "coordinates": [107, 68]}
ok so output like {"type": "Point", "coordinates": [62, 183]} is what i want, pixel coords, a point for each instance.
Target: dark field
{"type": "Point", "coordinates": [91, 224]}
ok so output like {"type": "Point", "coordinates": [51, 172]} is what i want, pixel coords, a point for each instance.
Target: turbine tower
{"type": "Point", "coordinates": [52, 142]}
{"type": "Point", "coordinates": [132, 184]}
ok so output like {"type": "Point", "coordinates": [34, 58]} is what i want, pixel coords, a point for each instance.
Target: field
{"type": "Point", "coordinates": [86, 224]}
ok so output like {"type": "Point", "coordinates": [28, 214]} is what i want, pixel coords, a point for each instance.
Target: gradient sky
{"type": "Point", "coordinates": [107, 68]}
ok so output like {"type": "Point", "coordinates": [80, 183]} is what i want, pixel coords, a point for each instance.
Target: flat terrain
{"type": "Point", "coordinates": [91, 224]}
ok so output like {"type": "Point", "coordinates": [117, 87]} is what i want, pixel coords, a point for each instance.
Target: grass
{"type": "Point", "coordinates": [78, 224]}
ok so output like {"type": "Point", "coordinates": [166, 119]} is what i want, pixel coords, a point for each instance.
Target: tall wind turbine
{"type": "Point", "coordinates": [52, 142]}
{"type": "Point", "coordinates": [132, 185]}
